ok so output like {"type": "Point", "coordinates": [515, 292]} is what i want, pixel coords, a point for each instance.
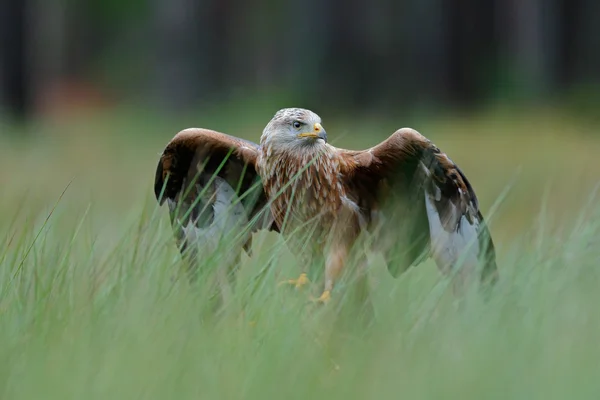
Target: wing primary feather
{"type": "Point", "coordinates": [211, 183]}
{"type": "Point", "coordinates": [430, 206]}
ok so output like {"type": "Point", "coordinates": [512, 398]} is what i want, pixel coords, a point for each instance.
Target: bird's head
{"type": "Point", "coordinates": [293, 128]}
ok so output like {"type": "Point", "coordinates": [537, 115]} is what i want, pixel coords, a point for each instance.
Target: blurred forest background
{"type": "Point", "coordinates": [352, 55]}
{"type": "Point", "coordinates": [92, 90]}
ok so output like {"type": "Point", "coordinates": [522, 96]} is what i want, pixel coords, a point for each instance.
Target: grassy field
{"type": "Point", "coordinates": [88, 308]}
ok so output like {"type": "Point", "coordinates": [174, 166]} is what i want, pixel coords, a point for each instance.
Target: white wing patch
{"type": "Point", "coordinates": [448, 248]}
{"type": "Point", "coordinates": [225, 229]}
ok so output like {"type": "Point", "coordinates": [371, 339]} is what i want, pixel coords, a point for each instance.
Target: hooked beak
{"type": "Point", "coordinates": [318, 132]}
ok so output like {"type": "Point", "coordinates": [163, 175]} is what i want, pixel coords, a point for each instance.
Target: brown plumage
{"type": "Point", "coordinates": [408, 195]}
{"type": "Point", "coordinates": [212, 190]}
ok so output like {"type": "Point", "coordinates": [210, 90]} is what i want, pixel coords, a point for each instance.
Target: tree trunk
{"type": "Point", "coordinates": [15, 94]}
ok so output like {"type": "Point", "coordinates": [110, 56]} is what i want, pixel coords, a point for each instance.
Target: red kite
{"type": "Point", "coordinates": [407, 195]}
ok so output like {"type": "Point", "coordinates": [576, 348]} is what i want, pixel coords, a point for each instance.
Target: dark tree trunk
{"type": "Point", "coordinates": [190, 52]}
{"type": "Point", "coordinates": [472, 46]}
{"type": "Point", "coordinates": [567, 40]}
{"type": "Point", "coordinates": [15, 93]}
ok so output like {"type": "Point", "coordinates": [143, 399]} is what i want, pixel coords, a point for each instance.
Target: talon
{"type": "Point", "coordinates": [298, 283]}
{"type": "Point", "coordinates": [325, 297]}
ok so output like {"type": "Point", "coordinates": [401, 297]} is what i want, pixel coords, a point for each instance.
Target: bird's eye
{"type": "Point", "coordinates": [297, 124]}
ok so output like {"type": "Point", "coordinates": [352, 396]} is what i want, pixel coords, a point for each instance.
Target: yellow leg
{"type": "Point", "coordinates": [333, 268]}
{"type": "Point", "coordinates": [298, 283]}
{"type": "Point", "coordinates": [324, 299]}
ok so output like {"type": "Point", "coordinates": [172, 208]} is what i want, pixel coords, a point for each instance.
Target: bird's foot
{"type": "Point", "coordinates": [298, 283]}
{"type": "Point", "coordinates": [324, 299]}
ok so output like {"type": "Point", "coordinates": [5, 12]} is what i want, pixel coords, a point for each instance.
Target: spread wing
{"type": "Point", "coordinates": [210, 183]}
{"type": "Point", "coordinates": [419, 203]}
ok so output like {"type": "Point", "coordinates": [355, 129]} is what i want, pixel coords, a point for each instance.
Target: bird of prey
{"type": "Point", "coordinates": [410, 198]}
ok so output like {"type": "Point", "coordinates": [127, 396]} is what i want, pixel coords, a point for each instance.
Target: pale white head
{"type": "Point", "coordinates": [293, 128]}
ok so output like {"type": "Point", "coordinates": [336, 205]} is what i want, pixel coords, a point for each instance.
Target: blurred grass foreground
{"type": "Point", "coordinates": [88, 308]}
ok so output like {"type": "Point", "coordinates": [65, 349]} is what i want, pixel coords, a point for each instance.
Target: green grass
{"type": "Point", "coordinates": [88, 308]}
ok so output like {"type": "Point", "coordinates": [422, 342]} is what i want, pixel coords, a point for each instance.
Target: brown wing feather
{"type": "Point", "coordinates": [397, 178]}
{"type": "Point", "coordinates": [189, 164]}
{"type": "Point", "coordinates": [211, 147]}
